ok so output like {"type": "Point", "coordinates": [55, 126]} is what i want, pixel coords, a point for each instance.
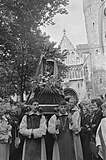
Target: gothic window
{"type": "Point", "coordinates": [101, 80]}
{"type": "Point", "coordinates": [68, 75]}
{"type": "Point", "coordinates": [81, 73]}
{"type": "Point", "coordinates": [81, 84]}
{"type": "Point", "coordinates": [89, 9]}
{"type": "Point", "coordinates": [86, 72]}
{"type": "Point", "coordinates": [77, 60]}
{"type": "Point", "coordinates": [97, 51]}
{"type": "Point", "coordinates": [75, 73]}
{"type": "Point", "coordinates": [65, 52]}
{"type": "Point", "coordinates": [71, 74]}
{"type": "Point", "coordinates": [78, 73]}
{"type": "Point", "coordinates": [93, 23]}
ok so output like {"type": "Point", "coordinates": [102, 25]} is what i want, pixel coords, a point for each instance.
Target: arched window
{"type": "Point", "coordinates": [71, 76]}
{"type": "Point", "coordinates": [77, 72]}
{"type": "Point", "coordinates": [65, 52]}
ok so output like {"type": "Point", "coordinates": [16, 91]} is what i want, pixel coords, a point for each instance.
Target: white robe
{"type": "Point", "coordinates": [101, 138]}
{"type": "Point", "coordinates": [38, 132]}
{"type": "Point", "coordinates": [103, 128]}
{"type": "Point", "coordinates": [75, 127]}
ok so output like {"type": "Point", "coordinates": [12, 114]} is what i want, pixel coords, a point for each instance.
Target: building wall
{"type": "Point", "coordinates": [75, 77]}
{"type": "Point", "coordinates": [91, 13]}
{"type": "Point", "coordinates": [83, 50]}
{"type": "Point", "coordinates": [79, 86]}
{"type": "Point", "coordinates": [95, 27]}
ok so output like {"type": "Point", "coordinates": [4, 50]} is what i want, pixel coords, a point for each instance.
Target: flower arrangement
{"type": "Point", "coordinates": [47, 83]}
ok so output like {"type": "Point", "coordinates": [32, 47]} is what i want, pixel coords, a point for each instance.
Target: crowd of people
{"type": "Point", "coordinates": [78, 131]}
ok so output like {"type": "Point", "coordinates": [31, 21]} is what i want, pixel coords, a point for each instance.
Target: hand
{"type": "Point", "coordinates": [89, 129]}
{"type": "Point", "coordinates": [17, 142]}
{"type": "Point", "coordinates": [93, 125]}
{"type": "Point", "coordinates": [100, 148]}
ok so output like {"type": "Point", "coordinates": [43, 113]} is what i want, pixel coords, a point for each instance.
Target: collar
{"type": "Point", "coordinates": [66, 114]}
{"type": "Point", "coordinates": [31, 113]}
{"type": "Point", "coordinates": [75, 109]}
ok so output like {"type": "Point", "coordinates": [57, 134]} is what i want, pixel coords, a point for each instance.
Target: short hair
{"type": "Point", "coordinates": [104, 105]}
{"type": "Point", "coordinates": [36, 100]}
{"type": "Point", "coordinates": [33, 100]}
{"type": "Point", "coordinates": [98, 101]}
{"type": "Point", "coordinates": [85, 102]}
{"type": "Point", "coordinates": [62, 103]}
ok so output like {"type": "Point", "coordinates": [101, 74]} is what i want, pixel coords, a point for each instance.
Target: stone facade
{"type": "Point", "coordinates": [95, 22]}
{"type": "Point", "coordinates": [75, 78]}
{"type": "Point", "coordinates": [83, 51]}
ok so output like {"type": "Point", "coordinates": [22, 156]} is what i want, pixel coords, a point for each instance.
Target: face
{"type": "Point", "coordinates": [72, 101]}
{"type": "Point", "coordinates": [62, 109]}
{"type": "Point", "coordinates": [95, 107]}
{"type": "Point", "coordinates": [84, 110]}
{"type": "Point", "coordinates": [104, 111]}
{"type": "Point", "coordinates": [34, 106]}
{"type": "Point", "coordinates": [91, 109]}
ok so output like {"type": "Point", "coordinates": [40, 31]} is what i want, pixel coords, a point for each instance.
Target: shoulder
{"type": "Point", "coordinates": [99, 113]}
{"type": "Point", "coordinates": [76, 109]}
{"type": "Point", "coordinates": [103, 121]}
{"type": "Point", "coordinates": [42, 117]}
{"type": "Point", "coordinates": [24, 118]}
{"type": "Point", "coordinates": [53, 117]}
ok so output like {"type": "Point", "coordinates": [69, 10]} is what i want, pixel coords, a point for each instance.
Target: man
{"type": "Point", "coordinates": [101, 134]}
{"type": "Point", "coordinates": [33, 127]}
{"type": "Point", "coordinates": [85, 129]}
{"type": "Point", "coordinates": [75, 126]}
{"type": "Point", "coordinates": [98, 115]}
{"type": "Point", "coordinates": [58, 126]}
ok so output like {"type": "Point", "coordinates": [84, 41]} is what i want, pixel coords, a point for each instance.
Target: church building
{"type": "Point", "coordinates": [75, 78]}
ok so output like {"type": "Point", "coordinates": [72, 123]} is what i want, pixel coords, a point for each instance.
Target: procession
{"type": "Point", "coordinates": [52, 80]}
{"type": "Point", "coordinates": [70, 131]}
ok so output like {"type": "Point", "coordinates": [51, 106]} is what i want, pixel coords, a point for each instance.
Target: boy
{"type": "Point", "coordinates": [33, 127]}
{"type": "Point", "coordinates": [59, 126]}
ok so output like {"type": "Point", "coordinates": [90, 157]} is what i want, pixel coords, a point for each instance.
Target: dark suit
{"type": "Point", "coordinates": [95, 121]}
{"type": "Point", "coordinates": [85, 136]}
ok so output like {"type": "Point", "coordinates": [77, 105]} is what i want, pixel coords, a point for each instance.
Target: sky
{"type": "Point", "coordinates": [73, 23]}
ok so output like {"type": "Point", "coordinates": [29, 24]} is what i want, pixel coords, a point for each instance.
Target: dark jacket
{"type": "Point", "coordinates": [96, 120]}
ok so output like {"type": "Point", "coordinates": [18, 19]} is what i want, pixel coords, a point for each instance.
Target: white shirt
{"type": "Point", "coordinates": [103, 129]}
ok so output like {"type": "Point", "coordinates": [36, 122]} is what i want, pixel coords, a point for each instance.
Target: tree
{"type": "Point", "coordinates": [21, 42]}
{"type": "Point", "coordinates": [18, 67]}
